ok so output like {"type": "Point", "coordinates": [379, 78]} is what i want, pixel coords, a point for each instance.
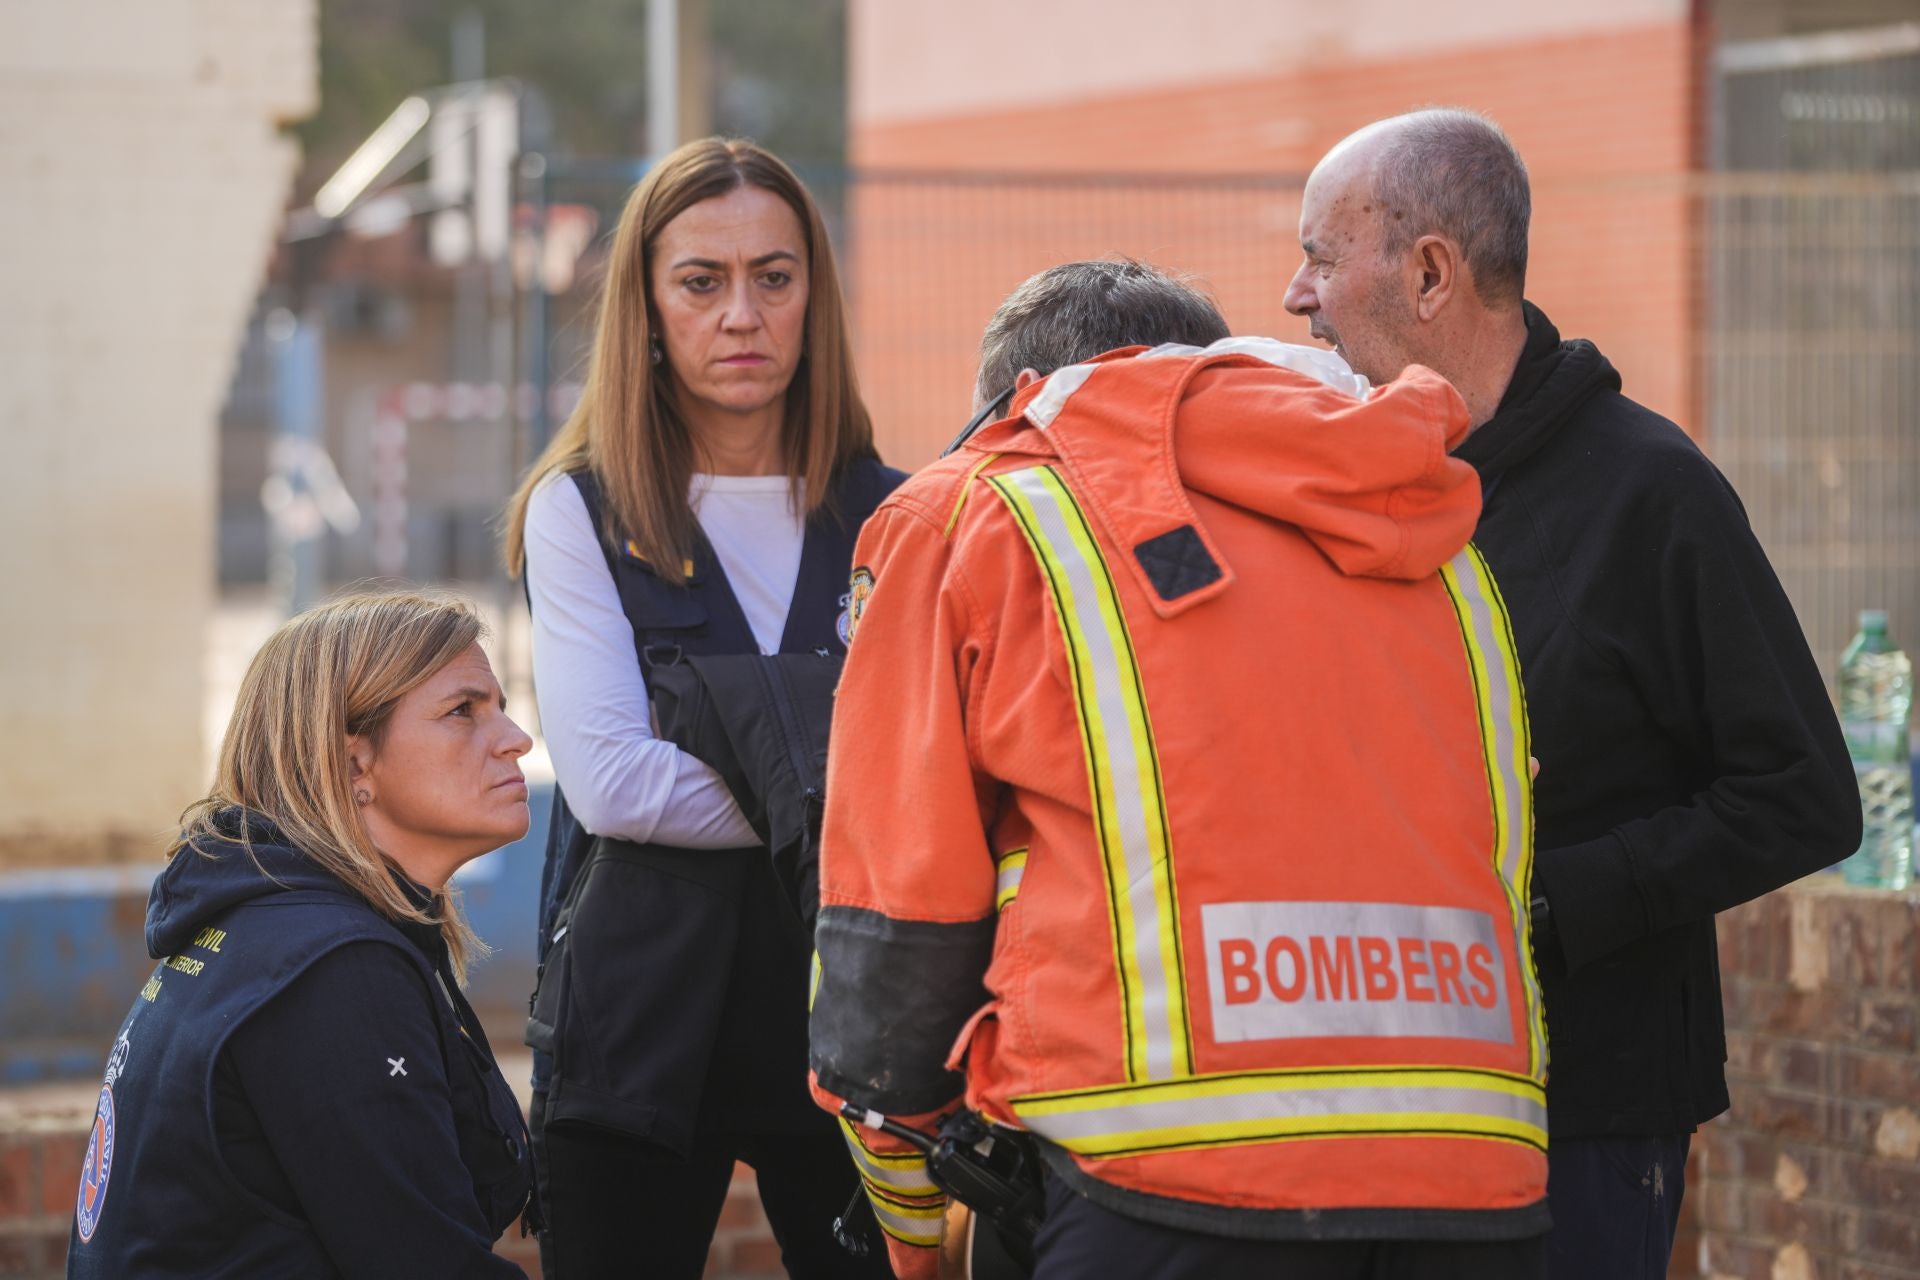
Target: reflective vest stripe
{"type": "Point", "coordinates": [1006, 883]}
{"type": "Point", "coordinates": [1123, 770]}
{"type": "Point", "coordinates": [1238, 1109]}
{"type": "Point", "coordinates": [903, 1174]}
{"type": "Point", "coordinates": [913, 1224]}
{"type": "Point", "coordinates": [1501, 700]}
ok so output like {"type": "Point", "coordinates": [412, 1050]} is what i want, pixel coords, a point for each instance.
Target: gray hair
{"type": "Point", "coordinates": [1077, 310]}
{"type": "Point", "coordinates": [1454, 173]}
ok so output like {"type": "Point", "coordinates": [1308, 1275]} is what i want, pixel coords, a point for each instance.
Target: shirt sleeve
{"type": "Point", "coordinates": [907, 918]}
{"type": "Point", "coordinates": [620, 780]}
{"type": "Point", "coordinates": [344, 1072]}
{"type": "Point", "coordinates": [1720, 661]}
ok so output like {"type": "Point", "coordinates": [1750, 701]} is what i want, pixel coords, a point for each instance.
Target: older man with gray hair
{"type": "Point", "coordinates": [1690, 757]}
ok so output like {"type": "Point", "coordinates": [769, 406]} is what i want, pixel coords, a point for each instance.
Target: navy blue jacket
{"type": "Point", "coordinates": [299, 1091]}
{"type": "Point", "coordinates": [690, 965]}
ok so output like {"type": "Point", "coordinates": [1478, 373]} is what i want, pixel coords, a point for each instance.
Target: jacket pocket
{"type": "Point", "coordinates": [631, 998]}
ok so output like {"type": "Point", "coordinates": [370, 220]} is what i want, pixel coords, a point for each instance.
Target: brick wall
{"type": "Point", "coordinates": [43, 1137]}
{"type": "Point", "coordinates": [1815, 1172]}
{"type": "Point", "coordinates": [146, 172]}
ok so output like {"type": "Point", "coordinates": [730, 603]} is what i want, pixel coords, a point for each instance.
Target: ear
{"type": "Point", "coordinates": [1025, 379]}
{"type": "Point", "coordinates": [1440, 273]}
{"type": "Point", "coordinates": [359, 758]}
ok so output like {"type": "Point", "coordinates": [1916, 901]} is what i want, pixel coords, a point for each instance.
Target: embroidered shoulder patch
{"type": "Point", "coordinates": [860, 586]}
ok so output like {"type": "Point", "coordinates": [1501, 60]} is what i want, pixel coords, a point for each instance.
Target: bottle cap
{"type": "Point", "coordinates": [1873, 619]}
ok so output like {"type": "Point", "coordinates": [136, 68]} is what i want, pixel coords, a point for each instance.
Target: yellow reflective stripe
{"type": "Point", "coordinates": [915, 1224]}
{"type": "Point", "coordinates": [1500, 702]}
{"type": "Point", "coordinates": [1273, 1106]}
{"type": "Point", "coordinates": [901, 1173]}
{"type": "Point", "coordinates": [1006, 880]}
{"type": "Point", "coordinates": [1123, 771]}
{"type": "Point", "coordinates": [813, 981]}
{"type": "Point", "coordinates": [966, 487]}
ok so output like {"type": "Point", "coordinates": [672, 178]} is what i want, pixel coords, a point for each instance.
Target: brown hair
{"type": "Point", "coordinates": [328, 674]}
{"type": "Point", "coordinates": [625, 428]}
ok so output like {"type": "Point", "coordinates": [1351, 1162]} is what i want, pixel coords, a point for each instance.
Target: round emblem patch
{"type": "Point", "coordinates": [861, 587]}
{"type": "Point", "coordinates": [98, 1168]}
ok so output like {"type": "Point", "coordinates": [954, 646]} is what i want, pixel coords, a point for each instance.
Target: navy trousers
{"type": "Point", "coordinates": [1615, 1204]}
{"type": "Point", "coordinates": [1082, 1241]}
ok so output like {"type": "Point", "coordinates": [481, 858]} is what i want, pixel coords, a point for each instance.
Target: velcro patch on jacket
{"type": "Point", "coordinates": [1177, 562]}
{"type": "Point", "coordinates": [1288, 970]}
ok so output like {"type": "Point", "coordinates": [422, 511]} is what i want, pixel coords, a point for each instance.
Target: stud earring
{"type": "Point", "coordinates": [655, 353]}
{"type": "Point", "coordinates": [363, 798]}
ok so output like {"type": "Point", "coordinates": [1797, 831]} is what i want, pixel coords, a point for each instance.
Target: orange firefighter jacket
{"type": "Point", "coordinates": [1179, 812]}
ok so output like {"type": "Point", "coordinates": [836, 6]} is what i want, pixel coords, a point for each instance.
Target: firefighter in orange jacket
{"type": "Point", "coordinates": [1179, 815]}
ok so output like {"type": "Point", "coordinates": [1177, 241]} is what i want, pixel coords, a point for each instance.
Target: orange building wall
{"type": "Point", "coordinates": [1605, 121]}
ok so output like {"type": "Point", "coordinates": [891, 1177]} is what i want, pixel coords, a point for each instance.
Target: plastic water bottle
{"type": "Point", "coordinates": [1876, 698]}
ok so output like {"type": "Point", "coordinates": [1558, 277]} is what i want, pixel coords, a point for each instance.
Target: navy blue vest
{"type": "Point", "coordinates": [690, 963]}
{"type": "Point", "coordinates": [154, 1198]}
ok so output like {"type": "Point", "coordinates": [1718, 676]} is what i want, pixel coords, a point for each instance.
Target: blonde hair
{"type": "Point", "coordinates": [330, 673]}
{"type": "Point", "coordinates": [625, 429]}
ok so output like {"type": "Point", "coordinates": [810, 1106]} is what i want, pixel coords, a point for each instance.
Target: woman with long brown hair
{"type": "Point", "coordinates": [301, 1089]}
{"type": "Point", "coordinates": [702, 499]}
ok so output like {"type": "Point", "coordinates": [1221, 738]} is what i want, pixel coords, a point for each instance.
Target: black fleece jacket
{"type": "Point", "coordinates": [1690, 758]}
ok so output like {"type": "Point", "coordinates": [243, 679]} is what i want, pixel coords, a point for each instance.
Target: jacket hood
{"type": "Point", "coordinates": [1552, 381]}
{"type": "Point", "coordinates": [213, 876]}
{"type": "Point", "coordinates": [1289, 432]}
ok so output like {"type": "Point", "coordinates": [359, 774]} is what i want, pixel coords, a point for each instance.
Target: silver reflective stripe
{"type": "Point", "coordinates": [1502, 701]}
{"type": "Point", "coordinates": [1256, 1109]}
{"type": "Point", "coordinates": [1504, 705]}
{"type": "Point", "coordinates": [1052, 398]}
{"type": "Point", "coordinates": [915, 1226]}
{"type": "Point", "coordinates": [1006, 880]}
{"type": "Point", "coordinates": [1122, 766]}
{"type": "Point", "coordinates": [905, 1175]}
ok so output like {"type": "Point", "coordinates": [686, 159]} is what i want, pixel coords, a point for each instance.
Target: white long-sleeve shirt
{"type": "Point", "coordinates": [620, 779]}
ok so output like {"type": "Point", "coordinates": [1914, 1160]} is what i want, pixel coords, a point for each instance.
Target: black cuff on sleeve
{"type": "Point", "coordinates": [893, 995]}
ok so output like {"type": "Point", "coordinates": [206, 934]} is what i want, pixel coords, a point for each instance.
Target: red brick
{"type": "Point", "coordinates": [756, 1258]}
{"type": "Point", "coordinates": [18, 1198]}
{"type": "Point", "coordinates": [742, 1209]}
{"type": "Point", "coordinates": [1847, 1269]}
{"type": "Point", "coordinates": [1804, 1222]}
{"type": "Point", "coordinates": [21, 1253]}
{"type": "Point", "coordinates": [60, 1159]}
{"type": "Point", "coordinates": [1854, 956]}
{"type": "Point", "coordinates": [1852, 1125]}
{"type": "Point", "coordinates": [1889, 1237]}
{"type": "Point", "coordinates": [1786, 1114]}
{"type": "Point", "coordinates": [1900, 945]}
{"type": "Point", "coordinates": [1722, 1202]}
{"type": "Point", "coordinates": [1887, 1024]}
{"type": "Point", "coordinates": [1879, 1077]}
{"type": "Point", "coordinates": [1739, 1259]}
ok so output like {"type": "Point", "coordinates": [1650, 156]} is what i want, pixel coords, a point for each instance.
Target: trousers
{"type": "Point", "coordinates": [1615, 1205]}
{"type": "Point", "coordinates": [618, 1206]}
{"type": "Point", "coordinates": [1080, 1240]}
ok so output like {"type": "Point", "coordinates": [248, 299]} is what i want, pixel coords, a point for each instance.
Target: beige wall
{"type": "Point", "coordinates": [145, 175]}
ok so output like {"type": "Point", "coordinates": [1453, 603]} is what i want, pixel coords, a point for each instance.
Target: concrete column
{"type": "Point", "coordinates": [145, 178]}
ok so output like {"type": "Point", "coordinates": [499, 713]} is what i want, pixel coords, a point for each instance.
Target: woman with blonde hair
{"type": "Point", "coordinates": [301, 1089]}
{"type": "Point", "coordinates": [702, 500]}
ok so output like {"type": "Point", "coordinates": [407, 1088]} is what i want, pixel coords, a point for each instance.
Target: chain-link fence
{"type": "Point", "coordinates": [1810, 349]}
{"type": "Point", "coordinates": [1772, 306]}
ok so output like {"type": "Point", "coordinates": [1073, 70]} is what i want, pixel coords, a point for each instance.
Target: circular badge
{"type": "Point", "coordinates": [98, 1168]}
